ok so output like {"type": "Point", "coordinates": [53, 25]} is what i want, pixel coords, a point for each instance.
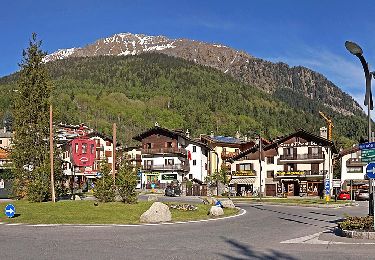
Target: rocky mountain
{"type": "Point", "coordinates": [274, 78]}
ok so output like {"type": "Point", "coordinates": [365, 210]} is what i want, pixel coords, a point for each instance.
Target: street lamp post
{"type": "Point", "coordinates": [356, 50]}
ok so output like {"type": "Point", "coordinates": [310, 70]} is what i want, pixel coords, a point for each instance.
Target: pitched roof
{"type": "Point", "coordinates": [5, 134]}
{"type": "Point", "coordinates": [301, 132]}
{"type": "Point", "coordinates": [167, 132]}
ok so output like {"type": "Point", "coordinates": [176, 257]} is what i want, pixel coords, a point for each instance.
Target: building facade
{"type": "Point", "coordinates": [170, 155]}
{"type": "Point", "coordinates": [296, 165]}
{"type": "Point", "coordinates": [353, 170]}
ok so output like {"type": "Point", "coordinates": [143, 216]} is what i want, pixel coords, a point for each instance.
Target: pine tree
{"type": "Point", "coordinates": [104, 189]}
{"type": "Point", "coordinates": [30, 153]}
{"type": "Point", "coordinates": [126, 182]}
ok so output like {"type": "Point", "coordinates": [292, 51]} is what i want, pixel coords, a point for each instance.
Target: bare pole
{"type": "Point", "coordinates": [51, 153]}
{"type": "Point", "coordinates": [114, 153]}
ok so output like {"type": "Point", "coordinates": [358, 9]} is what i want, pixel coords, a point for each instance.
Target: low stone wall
{"type": "Point", "coordinates": [356, 234]}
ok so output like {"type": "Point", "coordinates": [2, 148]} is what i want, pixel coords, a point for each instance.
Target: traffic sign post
{"type": "Point", "coordinates": [10, 211]}
{"type": "Point", "coordinates": [327, 185]}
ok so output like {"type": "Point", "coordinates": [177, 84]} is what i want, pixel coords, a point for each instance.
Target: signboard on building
{"type": "Point", "coordinates": [291, 173]}
{"type": "Point", "coordinates": [243, 173]}
{"type": "Point", "coordinates": [152, 173]}
{"type": "Point", "coordinates": [169, 177]}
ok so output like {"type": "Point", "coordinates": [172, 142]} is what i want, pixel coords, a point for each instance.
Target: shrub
{"type": "Point", "coordinates": [358, 223]}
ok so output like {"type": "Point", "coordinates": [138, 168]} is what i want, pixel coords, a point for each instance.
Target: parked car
{"type": "Point", "coordinates": [172, 191]}
{"type": "Point", "coordinates": [343, 195]}
{"type": "Point", "coordinates": [363, 195]}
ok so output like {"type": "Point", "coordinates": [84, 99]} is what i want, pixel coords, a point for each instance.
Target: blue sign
{"type": "Point", "coordinates": [370, 170]}
{"type": "Point", "coordinates": [327, 186]}
{"type": "Point", "coordinates": [10, 210]}
{"type": "Point", "coordinates": [367, 146]}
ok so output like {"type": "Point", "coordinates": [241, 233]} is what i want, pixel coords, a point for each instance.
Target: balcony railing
{"type": "Point", "coordinates": [164, 150]}
{"type": "Point", "coordinates": [300, 173]}
{"type": "Point", "coordinates": [163, 167]}
{"type": "Point", "coordinates": [355, 162]}
{"type": "Point", "coordinates": [244, 173]}
{"type": "Point", "coordinates": [227, 155]}
{"type": "Point", "coordinates": [306, 156]}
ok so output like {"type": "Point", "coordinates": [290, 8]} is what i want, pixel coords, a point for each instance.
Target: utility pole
{"type": "Point", "coordinates": [51, 153]}
{"type": "Point", "coordinates": [114, 154]}
{"type": "Point", "coordinates": [260, 166]}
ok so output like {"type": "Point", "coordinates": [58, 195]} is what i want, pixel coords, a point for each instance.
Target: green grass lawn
{"type": "Point", "coordinates": [84, 212]}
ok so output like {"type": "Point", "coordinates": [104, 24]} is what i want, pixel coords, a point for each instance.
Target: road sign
{"type": "Point", "coordinates": [327, 186]}
{"type": "Point", "coordinates": [367, 146]}
{"type": "Point", "coordinates": [368, 155]}
{"type": "Point", "coordinates": [10, 210]}
{"type": "Point", "coordinates": [370, 170]}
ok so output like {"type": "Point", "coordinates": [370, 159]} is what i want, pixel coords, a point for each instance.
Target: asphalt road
{"type": "Point", "coordinates": [264, 232]}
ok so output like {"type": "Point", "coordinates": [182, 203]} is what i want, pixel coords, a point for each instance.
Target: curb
{"type": "Point", "coordinates": [356, 234]}
{"type": "Point", "coordinates": [241, 213]}
{"type": "Point", "coordinates": [333, 206]}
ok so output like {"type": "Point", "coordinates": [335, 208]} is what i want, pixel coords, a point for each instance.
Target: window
{"type": "Point", "coordinates": [270, 174]}
{"type": "Point", "coordinates": [291, 167]}
{"type": "Point", "coordinates": [270, 160]}
{"type": "Point", "coordinates": [194, 162]}
{"type": "Point", "coordinates": [190, 176]}
{"type": "Point", "coordinates": [148, 145]}
{"type": "Point", "coordinates": [92, 149]}
{"type": "Point", "coordinates": [314, 150]}
{"type": "Point", "coordinates": [148, 164]}
{"type": "Point", "coordinates": [194, 149]}
{"type": "Point", "coordinates": [246, 167]}
{"type": "Point", "coordinates": [315, 168]}
{"type": "Point", "coordinates": [237, 150]}
{"type": "Point", "coordinates": [1, 141]}
{"type": "Point", "coordinates": [76, 148]}
{"type": "Point", "coordinates": [84, 148]}
{"type": "Point", "coordinates": [169, 144]}
{"type": "Point", "coordinates": [169, 162]}
{"type": "Point", "coordinates": [205, 166]}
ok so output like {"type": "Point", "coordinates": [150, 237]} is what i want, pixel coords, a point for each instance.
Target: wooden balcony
{"type": "Point", "coordinates": [355, 162]}
{"type": "Point", "coordinates": [301, 157]}
{"type": "Point", "coordinates": [170, 150]}
{"type": "Point", "coordinates": [227, 155]}
{"type": "Point", "coordinates": [306, 173]}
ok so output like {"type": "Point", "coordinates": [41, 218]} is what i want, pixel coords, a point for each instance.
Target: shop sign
{"type": "Point", "coordinates": [297, 144]}
{"type": "Point", "coordinates": [244, 173]}
{"type": "Point", "coordinates": [152, 173]}
{"type": "Point", "coordinates": [294, 173]}
{"type": "Point", "coordinates": [336, 183]}
{"type": "Point", "coordinates": [169, 177]}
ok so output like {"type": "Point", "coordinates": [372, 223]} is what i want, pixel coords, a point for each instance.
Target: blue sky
{"type": "Point", "coordinates": [309, 33]}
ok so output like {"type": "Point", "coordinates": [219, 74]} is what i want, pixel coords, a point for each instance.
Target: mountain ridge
{"type": "Point", "coordinates": [265, 75]}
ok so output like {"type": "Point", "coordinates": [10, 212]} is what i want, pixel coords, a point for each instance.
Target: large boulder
{"type": "Point", "coordinates": [216, 211]}
{"type": "Point", "coordinates": [158, 212]}
{"type": "Point", "coordinates": [227, 203]}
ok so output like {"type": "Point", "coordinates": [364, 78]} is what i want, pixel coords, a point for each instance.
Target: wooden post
{"type": "Point", "coordinates": [51, 153]}
{"type": "Point", "coordinates": [114, 153]}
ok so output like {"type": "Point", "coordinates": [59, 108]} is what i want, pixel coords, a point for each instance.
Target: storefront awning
{"type": "Point", "coordinates": [245, 180]}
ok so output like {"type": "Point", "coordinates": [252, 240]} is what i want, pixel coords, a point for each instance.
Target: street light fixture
{"type": "Point", "coordinates": [356, 50]}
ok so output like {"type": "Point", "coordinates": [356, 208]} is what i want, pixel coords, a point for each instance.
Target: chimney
{"type": "Point", "coordinates": [238, 135]}
{"type": "Point", "coordinates": [156, 124]}
{"type": "Point", "coordinates": [245, 138]}
{"type": "Point", "coordinates": [212, 134]}
{"type": "Point", "coordinates": [323, 132]}
{"type": "Point", "coordinates": [187, 133]}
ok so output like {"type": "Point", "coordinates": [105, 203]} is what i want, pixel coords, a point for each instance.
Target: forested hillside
{"type": "Point", "coordinates": [137, 91]}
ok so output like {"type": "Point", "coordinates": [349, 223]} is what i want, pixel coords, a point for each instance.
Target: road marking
{"type": "Point", "coordinates": [314, 239]}
{"type": "Point", "coordinates": [242, 212]}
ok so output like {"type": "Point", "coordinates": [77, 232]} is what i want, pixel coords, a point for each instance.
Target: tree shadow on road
{"type": "Point", "coordinates": [245, 251]}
